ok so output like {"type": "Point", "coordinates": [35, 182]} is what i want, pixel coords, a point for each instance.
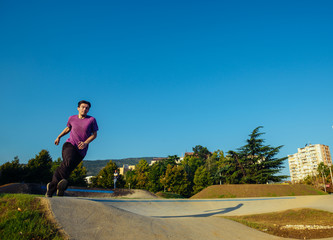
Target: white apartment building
{"type": "Point", "coordinates": [306, 160]}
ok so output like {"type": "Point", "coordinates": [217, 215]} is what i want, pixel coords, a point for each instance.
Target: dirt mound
{"type": "Point", "coordinates": [40, 189]}
{"type": "Point", "coordinates": [257, 190]}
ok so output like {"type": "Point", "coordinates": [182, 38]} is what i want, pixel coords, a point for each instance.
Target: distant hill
{"type": "Point", "coordinates": [94, 166]}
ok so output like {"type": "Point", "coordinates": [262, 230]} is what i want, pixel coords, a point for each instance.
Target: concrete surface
{"type": "Point", "coordinates": [106, 218]}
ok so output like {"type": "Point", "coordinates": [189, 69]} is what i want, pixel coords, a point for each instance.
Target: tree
{"type": "Point", "coordinates": [120, 181]}
{"type": "Point", "coordinates": [155, 172]}
{"type": "Point", "coordinates": [202, 179]}
{"type": "Point", "coordinates": [78, 176]}
{"type": "Point", "coordinates": [323, 173]}
{"type": "Point", "coordinates": [320, 177]}
{"type": "Point", "coordinates": [257, 162]}
{"type": "Point", "coordinates": [55, 165]}
{"type": "Point", "coordinates": [38, 169]}
{"type": "Point", "coordinates": [141, 173]}
{"type": "Point", "coordinates": [11, 172]}
{"type": "Point", "coordinates": [175, 180]}
{"type": "Point", "coordinates": [229, 171]}
{"type": "Point", "coordinates": [212, 165]}
{"type": "Point", "coordinates": [240, 163]}
{"type": "Point", "coordinates": [171, 160]}
{"type": "Point", "coordinates": [323, 169]}
{"type": "Point", "coordinates": [105, 177]}
{"type": "Point", "coordinates": [201, 152]}
{"type": "Point", "coordinates": [191, 164]}
{"type": "Point", "coordinates": [130, 179]}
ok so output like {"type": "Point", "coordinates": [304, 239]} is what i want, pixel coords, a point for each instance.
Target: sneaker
{"type": "Point", "coordinates": [48, 194]}
{"type": "Point", "coordinates": [61, 187]}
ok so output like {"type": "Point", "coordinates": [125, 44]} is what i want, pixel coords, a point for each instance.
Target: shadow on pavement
{"type": "Point", "coordinates": [213, 212]}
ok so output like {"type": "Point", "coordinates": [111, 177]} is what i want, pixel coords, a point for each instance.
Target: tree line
{"type": "Point", "coordinates": [253, 163]}
{"type": "Point", "coordinates": [39, 169]}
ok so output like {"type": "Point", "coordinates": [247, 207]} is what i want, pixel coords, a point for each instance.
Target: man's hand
{"type": "Point", "coordinates": [56, 142]}
{"type": "Point", "coordinates": [63, 133]}
{"type": "Point", "coordinates": [82, 145]}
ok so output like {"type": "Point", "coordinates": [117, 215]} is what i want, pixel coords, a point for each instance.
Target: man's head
{"type": "Point", "coordinates": [85, 102]}
{"type": "Point", "coordinates": [83, 108]}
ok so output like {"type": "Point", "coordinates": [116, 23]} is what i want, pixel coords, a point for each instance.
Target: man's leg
{"type": "Point", "coordinates": [71, 158]}
{"type": "Point", "coordinates": [51, 187]}
{"type": "Point", "coordinates": [61, 187]}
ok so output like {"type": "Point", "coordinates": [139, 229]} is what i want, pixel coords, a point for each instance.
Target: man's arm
{"type": "Point", "coordinates": [83, 145]}
{"type": "Point", "coordinates": [63, 133]}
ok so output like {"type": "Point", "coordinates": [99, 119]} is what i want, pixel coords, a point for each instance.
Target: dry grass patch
{"type": "Point", "coordinates": [257, 190]}
{"type": "Point", "coordinates": [296, 223]}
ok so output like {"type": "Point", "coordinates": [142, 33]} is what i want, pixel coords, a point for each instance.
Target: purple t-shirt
{"type": "Point", "coordinates": [81, 130]}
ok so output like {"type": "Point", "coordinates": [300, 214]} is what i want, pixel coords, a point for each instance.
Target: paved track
{"type": "Point", "coordinates": [105, 218]}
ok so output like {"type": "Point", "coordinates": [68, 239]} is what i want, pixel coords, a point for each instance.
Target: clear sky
{"type": "Point", "coordinates": [165, 76]}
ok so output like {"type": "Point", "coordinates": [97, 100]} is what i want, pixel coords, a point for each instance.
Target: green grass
{"type": "Point", "coordinates": [22, 217]}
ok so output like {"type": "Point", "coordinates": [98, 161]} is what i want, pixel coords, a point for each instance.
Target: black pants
{"type": "Point", "coordinates": [70, 159]}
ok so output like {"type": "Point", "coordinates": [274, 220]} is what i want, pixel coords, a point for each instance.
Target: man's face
{"type": "Point", "coordinates": [83, 109]}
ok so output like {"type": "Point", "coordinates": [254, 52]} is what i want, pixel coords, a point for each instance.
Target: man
{"type": "Point", "coordinates": [83, 130]}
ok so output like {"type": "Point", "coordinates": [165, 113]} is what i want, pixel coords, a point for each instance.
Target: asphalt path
{"type": "Point", "coordinates": [106, 218]}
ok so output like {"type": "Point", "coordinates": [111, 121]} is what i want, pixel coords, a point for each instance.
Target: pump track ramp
{"type": "Point", "coordinates": [159, 219]}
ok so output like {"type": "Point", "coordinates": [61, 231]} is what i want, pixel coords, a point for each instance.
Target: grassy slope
{"type": "Point", "coordinates": [23, 217]}
{"type": "Point", "coordinates": [256, 190]}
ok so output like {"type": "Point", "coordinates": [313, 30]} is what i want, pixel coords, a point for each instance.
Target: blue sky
{"type": "Point", "coordinates": [165, 76]}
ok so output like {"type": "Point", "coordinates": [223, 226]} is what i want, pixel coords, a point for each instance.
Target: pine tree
{"type": "Point", "coordinates": [258, 162]}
